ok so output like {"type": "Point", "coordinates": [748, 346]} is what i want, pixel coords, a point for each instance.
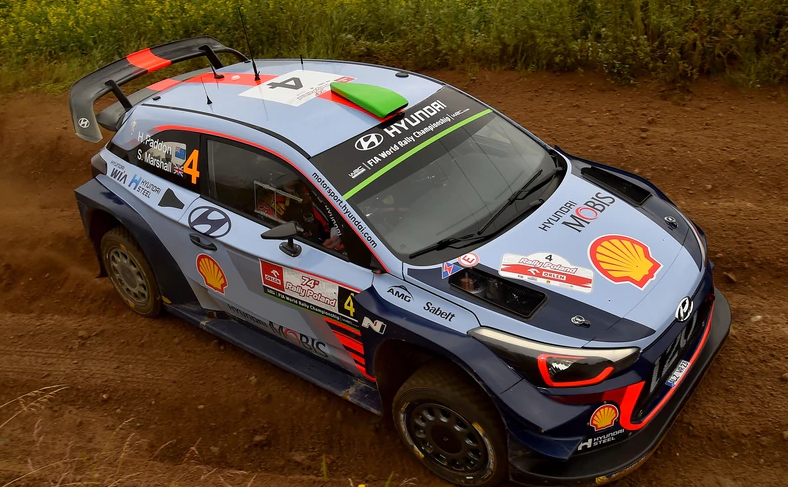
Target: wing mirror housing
{"type": "Point", "coordinates": [285, 231]}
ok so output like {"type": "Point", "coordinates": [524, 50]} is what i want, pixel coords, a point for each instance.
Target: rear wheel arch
{"type": "Point", "coordinates": [100, 222]}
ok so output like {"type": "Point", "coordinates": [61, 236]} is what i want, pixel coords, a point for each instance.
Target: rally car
{"type": "Point", "coordinates": [521, 312]}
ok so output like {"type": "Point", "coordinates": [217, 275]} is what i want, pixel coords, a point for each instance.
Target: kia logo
{"type": "Point", "coordinates": [209, 221]}
{"type": "Point", "coordinates": [684, 310]}
{"type": "Point", "coordinates": [369, 141]}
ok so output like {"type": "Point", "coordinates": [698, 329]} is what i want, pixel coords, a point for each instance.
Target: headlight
{"type": "Point", "coordinates": [551, 366]}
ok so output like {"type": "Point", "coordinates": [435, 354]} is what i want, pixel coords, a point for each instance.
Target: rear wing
{"type": "Point", "coordinates": [87, 90]}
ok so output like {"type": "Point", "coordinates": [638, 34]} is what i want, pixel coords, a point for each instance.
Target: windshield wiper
{"type": "Point", "coordinates": [521, 194]}
{"type": "Point", "coordinates": [443, 243]}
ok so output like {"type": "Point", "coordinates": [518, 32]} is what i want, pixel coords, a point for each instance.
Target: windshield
{"type": "Point", "coordinates": [447, 182]}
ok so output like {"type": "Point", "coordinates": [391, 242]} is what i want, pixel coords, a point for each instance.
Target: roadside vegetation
{"type": "Point", "coordinates": [49, 43]}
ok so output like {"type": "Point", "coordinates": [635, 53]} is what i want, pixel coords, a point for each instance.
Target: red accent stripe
{"type": "Point", "coordinates": [348, 342]}
{"type": "Point", "coordinates": [163, 84]}
{"type": "Point", "coordinates": [359, 359]}
{"type": "Point", "coordinates": [345, 327]}
{"type": "Point", "coordinates": [266, 149]}
{"type": "Point", "coordinates": [632, 392]}
{"type": "Point", "coordinates": [148, 61]}
{"type": "Point", "coordinates": [363, 371]}
{"type": "Point", "coordinates": [240, 79]}
{"type": "Point", "coordinates": [542, 364]}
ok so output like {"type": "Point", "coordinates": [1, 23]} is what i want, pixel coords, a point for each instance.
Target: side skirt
{"type": "Point", "coordinates": [284, 355]}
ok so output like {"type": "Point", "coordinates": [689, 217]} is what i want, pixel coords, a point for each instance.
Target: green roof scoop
{"type": "Point", "coordinates": [377, 100]}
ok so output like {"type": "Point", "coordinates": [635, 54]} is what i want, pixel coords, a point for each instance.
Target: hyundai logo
{"type": "Point", "coordinates": [684, 310]}
{"type": "Point", "coordinates": [83, 122]}
{"type": "Point", "coordinates": [209, 221]}
{"type": "Point", "coordinates": [369, 141]}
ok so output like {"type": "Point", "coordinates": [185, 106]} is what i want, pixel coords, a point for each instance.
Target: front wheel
{"type": "Point", "coordinates": [451, 426]}
{"type": "Point", "coordinates": [130, 272]}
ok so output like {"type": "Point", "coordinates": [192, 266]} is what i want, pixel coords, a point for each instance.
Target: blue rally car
{"type": "Point", "coordinates": [521, 312]}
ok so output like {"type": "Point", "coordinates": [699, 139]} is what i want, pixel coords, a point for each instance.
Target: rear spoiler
{"type": "Point", "coordinates": [87, 90]}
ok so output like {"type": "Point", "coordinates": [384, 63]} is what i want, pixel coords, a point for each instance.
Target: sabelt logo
{"type": "Point", "coordinates": [604, 417]}
{"type": "Point", "coordinates": [369, 141]}
{"type": "Point", "coordinates": [623, 259]}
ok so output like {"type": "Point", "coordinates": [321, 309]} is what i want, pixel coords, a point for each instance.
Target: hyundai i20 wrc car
{"type": "Point", "coordinates": [521, 312]}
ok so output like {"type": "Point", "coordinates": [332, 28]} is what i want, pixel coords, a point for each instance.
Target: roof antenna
{"type": "Point", "coordinates": [215, 74]}
{"type": "Point", "coordinates": [302, 61]}
{"type": "Point", "coordinates": [206, 91]}
{"type": "Point", "coordinates": [248, 46]}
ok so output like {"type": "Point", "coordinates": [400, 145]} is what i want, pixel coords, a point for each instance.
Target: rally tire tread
{"type": "Point", "coordinates": [462, 394]}
{"type": "Point", "coordinates": [122, 235]}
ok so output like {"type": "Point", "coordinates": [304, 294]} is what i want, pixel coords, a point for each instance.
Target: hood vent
{"type": "Point", "coordinates": [621, 187]}
{"type": "Point", "coordinates": [522, 301]}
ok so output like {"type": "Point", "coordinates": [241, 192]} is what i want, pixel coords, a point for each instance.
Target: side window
{"type": "Point", "coordinates": [172, 155]}
{"type": "Point", "coordinates": [268, 190]}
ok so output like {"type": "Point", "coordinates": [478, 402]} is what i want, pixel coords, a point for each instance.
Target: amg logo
{"type": "Point", "coordinates": [400, 292]}
{"type": "Point", "coordinates": [118, 175]}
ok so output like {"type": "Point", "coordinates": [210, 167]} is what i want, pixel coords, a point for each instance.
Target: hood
{"type": "Point", "coordinates": [592, 247]}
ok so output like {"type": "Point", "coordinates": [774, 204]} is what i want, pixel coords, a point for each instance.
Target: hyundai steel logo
{"type": "Point", "coordinates": [684, 310]}
{"type": "Point", "coordinates": [369, 141]}
{"type": "Point", "coordinates": [209, 221]}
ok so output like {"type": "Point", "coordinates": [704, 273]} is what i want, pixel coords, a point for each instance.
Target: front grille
{"type": "Point", "coordinates": [670, 358]}
{"type": "Point", "coordinates": [503, 294]}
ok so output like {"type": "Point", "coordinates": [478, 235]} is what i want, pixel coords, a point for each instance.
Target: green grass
{"type": "Point", "coordinates": [48, 43]}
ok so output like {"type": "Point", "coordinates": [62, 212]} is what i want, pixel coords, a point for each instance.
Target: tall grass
{"type": "Point", "coordinates": [673, 40]}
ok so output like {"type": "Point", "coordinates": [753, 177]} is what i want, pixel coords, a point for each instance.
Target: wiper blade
{"type": "Point", "coordinates": [442, 244]}
{"type": "Point", "coordinates": [521, 194]}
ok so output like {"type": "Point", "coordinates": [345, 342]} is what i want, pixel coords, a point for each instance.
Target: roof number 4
{"type": "Point", "coordinates": [290, 83]}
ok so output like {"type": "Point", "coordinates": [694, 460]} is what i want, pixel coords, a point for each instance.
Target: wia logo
{"type": "Point", "coordinates": [118, 175]}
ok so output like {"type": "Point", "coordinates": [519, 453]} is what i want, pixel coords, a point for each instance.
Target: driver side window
{"type": "Point", "coordinates": [264, 188]}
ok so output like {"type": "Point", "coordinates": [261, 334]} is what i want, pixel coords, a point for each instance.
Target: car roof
{"type": "Point", "coordinates": [313, 122]}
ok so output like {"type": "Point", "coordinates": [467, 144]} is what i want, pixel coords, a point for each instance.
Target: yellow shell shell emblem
{"type": "Point", "coordinates": [604, 417]}
{"type": "Point", "coordinates": [623, 259]}
{"type": "Point", "coordinates": [211, 273]}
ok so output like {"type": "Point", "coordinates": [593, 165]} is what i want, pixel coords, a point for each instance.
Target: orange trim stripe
{"type": "Point", "coordinates": [349, 342]}
{"type": "Point", "coordinates": [345, 327]}
{"type": "Point", "coordinates": [148, 61]}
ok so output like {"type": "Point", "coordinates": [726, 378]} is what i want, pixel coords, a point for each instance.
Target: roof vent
{"type": "Point", "coordinates": [377, 100]}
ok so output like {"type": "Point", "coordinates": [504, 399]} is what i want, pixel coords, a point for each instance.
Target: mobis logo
{"type": "Point", "coordinates": [578, 216]}
{"type": "Point", "coordinates": [400, 292]}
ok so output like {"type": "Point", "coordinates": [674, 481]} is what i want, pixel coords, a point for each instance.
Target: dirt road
{"type": "Point", "coordinates": [160, 402]}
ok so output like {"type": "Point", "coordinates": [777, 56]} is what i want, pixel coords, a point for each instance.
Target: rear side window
{"type": "Point", "coordinates": [172, 155]}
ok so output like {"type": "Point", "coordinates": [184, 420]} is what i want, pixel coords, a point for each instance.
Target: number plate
{"type": "Point", "coordinates": [678, 373]}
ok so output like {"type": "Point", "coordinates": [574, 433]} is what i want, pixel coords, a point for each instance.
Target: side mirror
{"type": "Point", "coordinates": [285, 231]}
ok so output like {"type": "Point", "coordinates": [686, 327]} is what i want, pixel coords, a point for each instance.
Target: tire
{"type": "Point", "coordinates": [437, 396]}
{"type": "Point", "coordinates": [130, 272]}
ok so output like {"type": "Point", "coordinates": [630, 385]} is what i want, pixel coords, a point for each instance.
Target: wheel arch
{"type": "Point", "coordinates": [98, 223]}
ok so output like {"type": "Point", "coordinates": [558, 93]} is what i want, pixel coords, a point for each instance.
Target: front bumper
{"type": "Point", "coordinates": [613, 462]}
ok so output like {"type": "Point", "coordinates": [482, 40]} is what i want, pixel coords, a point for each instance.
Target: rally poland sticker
{"type": "Point", "coordinates": [296, 87]}
{"type": "Point", "coordinates": [309, 291]}
{"type": "Point", "coordinates": [549, 269]}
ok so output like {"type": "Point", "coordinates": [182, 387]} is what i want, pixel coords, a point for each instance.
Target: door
{"type": "Point", "coordinates": [306, 299]}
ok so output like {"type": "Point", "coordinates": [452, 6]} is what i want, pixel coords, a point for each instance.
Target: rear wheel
{"type": "Point", "coordinates": [130, 272]}
{"type": "Point", "coordinates": [451, 426]}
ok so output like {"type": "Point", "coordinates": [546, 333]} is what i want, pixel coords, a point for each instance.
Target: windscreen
{"type": "Point", "coordinates": [439, 170]}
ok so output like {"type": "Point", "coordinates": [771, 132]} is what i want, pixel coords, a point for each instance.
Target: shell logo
{"type": "Point", "coordinates": [604, 417]}
{"type": "Point", "coordinates": [212, 274]}
{"type": "Point", "coordinates": [623, 259]}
